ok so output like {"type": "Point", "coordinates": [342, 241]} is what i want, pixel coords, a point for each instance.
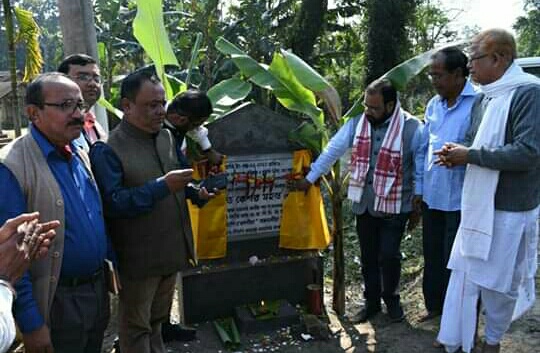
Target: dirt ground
{"type": "Point", "coordinates": [379, 335]}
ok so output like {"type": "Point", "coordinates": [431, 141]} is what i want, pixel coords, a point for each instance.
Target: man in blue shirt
{"type": "Point", "coordinates": [380, 217]}
{"type": "Point", "coordinates": [438, 189]}
{"type": "Point", "coordinates": [62, 304]}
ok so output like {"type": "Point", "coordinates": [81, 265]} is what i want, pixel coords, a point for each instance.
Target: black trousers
{"type": "Point", "coordinates": [439, 232]}
{"type": "Point", "coordinates": [380, 240]}
{"type": "Point", "coordinates": [79, 317]}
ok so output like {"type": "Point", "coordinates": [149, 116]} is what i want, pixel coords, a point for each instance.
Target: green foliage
{"type": "Point", "coordinates": [277, 78]}
{"type": "Point", "coordinates": [430, 26]}
{"type": "Point", "coordinates": [226, 94]}
{"type": "Point", "coordinates": [149, 29]}
{"type": "Point", "coordinates": [528, 30]}
{"type": "Point", "coordinates": [28, 34]}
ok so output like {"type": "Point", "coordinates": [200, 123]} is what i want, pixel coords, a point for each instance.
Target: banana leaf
{"type": "Point", "coordinates": [107, 105]}
{"type": "Point", "coordinates": [308, 136]}
{"type": "Point", "coordinates": [177, 85]}
{"type": "Point", "coordinates": [150, 32]}
{"type": "Point", "coordinates": [28, 34]}
{"type": "Point", "coordinates": [227, 332]}
{"type": "Point", "coordinates": [227, 93]}
{"type": "Point", "coordinates": [402, 74]}
{"type": "Point", "coordinates": [295, 96]}
{"type": "Point", "coordinates": [312, 80]}
{"type": "Point", "coordinates": [194, 55]}
{"type": "Point", "coordinates": [277, 78]}
{"type": "Point", "coordinates": [102, 52]}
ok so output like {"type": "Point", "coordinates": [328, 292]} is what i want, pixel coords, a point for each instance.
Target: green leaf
{"type": "Point", "coordinates": [316, 83]}
{"type": "Point", "coordinates": [229, 92]}
{"type": "Point", "coordinates": [177, 85]}
{"type": "Point", "coordinates": [308, 136]}
{"type": "Point", "coordinates": [29, 33]}
{"type": "Point", "coordinates": [401, 74]}
{"type": "Point", "coordinates": [149, 29]}
{"type": "Point", "coordinates": [227, 332]}
{"type": "Point", "coordinates": [194, 55]}
{"type": "Point", "coordinates": [277, 78]}
{"type": "Point", "coordinates": [292, 94]}
{"type": "Point", "coordinates": [102, 52]}
{"type": "Point", "coordinates": [305, 73]}
{"type": "Point", "coordinates": [107, 105]}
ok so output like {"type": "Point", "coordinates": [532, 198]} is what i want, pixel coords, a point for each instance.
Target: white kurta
{"type": "Point", "coordinates": [507, 273]}
{"type": "Point", "coordinates": [7, 324]}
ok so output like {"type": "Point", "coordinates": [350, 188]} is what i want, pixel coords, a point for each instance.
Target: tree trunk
{"type": "Point", "coordinates": [79, 36]}
{"type": "Point", "coordinates": [387, 43]}
{"type": "Point", "coordinates": [8, 13]}
{"type": "Point", "coordinates": [78, 29]}
{"type": "Point", "coordinates": [338, 302]}
{"type": "Point", "coordinates": [308, 25]}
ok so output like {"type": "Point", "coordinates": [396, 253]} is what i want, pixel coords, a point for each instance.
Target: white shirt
{"type": "Point", "coordinates": [7, 324]}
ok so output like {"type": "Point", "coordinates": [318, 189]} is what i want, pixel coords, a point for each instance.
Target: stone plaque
{"type": "Point", "coordinates": [255, 193]}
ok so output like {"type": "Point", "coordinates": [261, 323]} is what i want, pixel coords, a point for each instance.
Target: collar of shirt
{"type": "Point", "coordinates": [89, 120]}
{"type": "Point", "coordinates": [467, 91]}
{"type": "Point", "coordinates": [65, 152]}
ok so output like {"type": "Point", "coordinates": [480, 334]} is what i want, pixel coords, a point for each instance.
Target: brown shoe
{"type": "Point", "coordinates": [488, 348]}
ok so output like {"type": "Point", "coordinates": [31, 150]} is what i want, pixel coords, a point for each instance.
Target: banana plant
{"type": "Point", "coordinates": [291, 79]}
{"type": "Point", "coordinates": [149, 30]}
{"type": "Point", "coordinates": [28, 34]}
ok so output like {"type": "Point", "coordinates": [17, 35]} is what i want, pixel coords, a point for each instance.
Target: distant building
{"type": "Point", "coordinates": [7, 108]}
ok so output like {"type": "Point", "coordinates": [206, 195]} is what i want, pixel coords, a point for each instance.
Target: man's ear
{"type": "Point", "coordinates": [32, 112]}
{"type": "Point", "coordinates": [125, 105]}
{"type": "Point", "coordinates": [390, 107]}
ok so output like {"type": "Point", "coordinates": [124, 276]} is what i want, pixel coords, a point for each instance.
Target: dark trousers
{"type": "Point", "coordinates": [380, 240]}
{"type": "Point", "coordinates": [79, 317]}
{"type": "Point", "coordinates": [439, 232]}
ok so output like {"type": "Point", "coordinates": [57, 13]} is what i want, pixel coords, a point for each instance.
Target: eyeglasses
{"type": "Point", "coordinates": [88, 77]}
{"type": "Point", "coordinates": [478, 57]}
{"type": "Point", "coordinates": [68, 106]}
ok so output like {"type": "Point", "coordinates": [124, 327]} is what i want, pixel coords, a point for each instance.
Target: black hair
{"type": "Point", "coordinates": [132, 83]}
{"type": "Point", "coordinates": [384, 87]}
{"type": "Point", "coordinates": [191, 103]}
{"type": "Point", "coordinates": [34, 90]}
{"type": "Point", "coordinates": [453, 59]}
{"type": "Point", "coordinates": [75, 59]}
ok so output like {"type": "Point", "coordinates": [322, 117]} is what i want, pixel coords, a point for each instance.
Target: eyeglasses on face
{"type": "Point", "coordinates": [88, 77]}
{"type": "Point", "coordinates": [477, 57]}
{"type": "Point", "coordinates": [68, 106]}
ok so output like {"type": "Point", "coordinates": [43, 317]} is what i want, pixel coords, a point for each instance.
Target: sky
{"type": "Point", "coordinates": [486, 13]}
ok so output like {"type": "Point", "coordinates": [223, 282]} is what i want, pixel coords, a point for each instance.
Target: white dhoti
{"type": "Point", "coordinates": [504, 282]}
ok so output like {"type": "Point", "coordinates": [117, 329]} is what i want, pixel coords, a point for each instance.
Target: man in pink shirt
{"type": "Point", "coordinates": [84, 70]}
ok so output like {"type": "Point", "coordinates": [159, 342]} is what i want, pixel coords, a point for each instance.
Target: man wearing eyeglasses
{"type": "Point", "coordinates": [62, 304]}
{"type": "Point", "coordinates": [437, 188]}
{"type": "Point", "coordinates": [494, 254]}
{"type": "Point", "coordinates": [384, 141]}
{"type": "Point", "coordinates": [84, 70]}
